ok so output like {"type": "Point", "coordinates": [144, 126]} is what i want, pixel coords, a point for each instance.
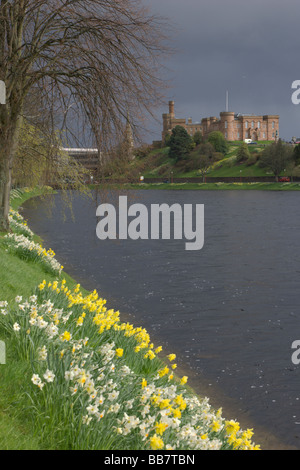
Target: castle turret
{"type": "Point", "coordinates": [227, 124]}
{"type": "Point", "coordinates": [168, 120]}
{"type": "Point", "coordinates": [172, 109]}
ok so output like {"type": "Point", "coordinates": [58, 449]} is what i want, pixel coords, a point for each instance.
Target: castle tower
{"type": "Point", "coordinates": [227, 125]}
{"type": "Point", "coordinates": [172, 109]}
{"type": "Point", "coordinates": [167, 120]}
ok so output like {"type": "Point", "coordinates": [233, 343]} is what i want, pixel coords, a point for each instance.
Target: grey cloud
{"type": "Point", "coordinates": [249, 48]}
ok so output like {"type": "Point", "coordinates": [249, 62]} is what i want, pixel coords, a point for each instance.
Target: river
{"type": "Point", "coordinates": [230, 311]}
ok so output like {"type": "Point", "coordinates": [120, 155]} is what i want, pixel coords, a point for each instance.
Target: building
{"type": "Point", "coordinates": [88, 158]}
{"type": "Point", "coordinates": [233, 126]}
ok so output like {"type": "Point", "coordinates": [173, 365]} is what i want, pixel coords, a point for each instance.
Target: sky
{"type": "Point", "coordinates": [249, 47]}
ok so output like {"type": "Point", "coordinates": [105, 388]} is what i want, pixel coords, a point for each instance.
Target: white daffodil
{"type": "Point", "coordinates": [49, 376]}
{"type": "Point", "coordinates": [16, 327]}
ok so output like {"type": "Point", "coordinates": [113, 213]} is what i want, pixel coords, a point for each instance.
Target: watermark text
{"type": "Point", "coordinates": [136, 222]}
{"type": "Point", "coordinates": [296, 93]}
{"type": "Point", "coordinates": [2, 353]}
{"type": "Point", "coordinates": [296, 353]}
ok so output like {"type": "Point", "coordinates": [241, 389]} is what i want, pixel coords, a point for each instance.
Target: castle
{"type": "Point", "coordinates": [233, 126]}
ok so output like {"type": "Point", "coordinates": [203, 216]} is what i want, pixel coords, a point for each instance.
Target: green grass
{"type": "Point", "coordinates": [213, 186]}
{"type": "Point", "coordinates": [17, 277]}
{"type": "Point", "coordinates": [162, 165]}
{"type": "Point", "coordinates": [237, 171]}
{"type": "Point", "coordinates": [16, 426]}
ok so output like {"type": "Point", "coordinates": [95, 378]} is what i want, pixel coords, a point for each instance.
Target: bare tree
{"type": "Point", "coordinates": [96, 59]}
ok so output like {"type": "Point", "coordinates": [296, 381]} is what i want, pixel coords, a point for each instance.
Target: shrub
{"type": "Point", "coordinates": [180, 143]}
{"type": "Point", "coordinates": [243, 153]}
{"type": "Point", "coordinates": [219, 142]}
{"type": "Point", "coordinates": [252, 159]}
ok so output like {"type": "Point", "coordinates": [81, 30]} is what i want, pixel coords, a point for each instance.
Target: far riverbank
{"type": "Point", "coordinates": [204, 186]}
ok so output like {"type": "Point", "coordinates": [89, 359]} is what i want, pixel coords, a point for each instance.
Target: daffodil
{"type": "Point", "coordinates": [79, 321]}
{"type": "Point", "coordinates": [119, 352]}
{"type": "Point", "coordinates": [150, 354]}
{"type": "Point", "coordinates": [160, 428]}
{"type": "Point", "coordinates": [177, 413]}
{"type": "Point", "coordinates": [156, 442]}
{"type": "Point", "coordinates": [163, 372]}
{"type": "Point", "coordinates": [232, 427]}
{"type": "Point", "coordinates": [215, 427]}
{"type": "Point", "coordinates": [49, 376]}
{"type": "Point", "coordinates": [144, 383]}
{"type": "Point", "coordinates": [171, 357]}
{"type": "Point", "coordinates": [66, 336]}
{"type": "Point", "coordinates": [35, 379]}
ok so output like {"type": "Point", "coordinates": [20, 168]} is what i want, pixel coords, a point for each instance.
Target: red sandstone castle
{"type": "Point", "coordinates": [233, 126]}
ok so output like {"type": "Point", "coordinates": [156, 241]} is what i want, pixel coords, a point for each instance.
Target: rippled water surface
{"type": "Point", "coordinates": [229, 311]}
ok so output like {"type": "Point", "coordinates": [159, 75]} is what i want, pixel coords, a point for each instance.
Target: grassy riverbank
{"type": "Point", "coordinates": [18, 278]}
{"type": "Point", "coordinates": [76, 377]}
{"type": "Point", "coordinates": [210, 186]}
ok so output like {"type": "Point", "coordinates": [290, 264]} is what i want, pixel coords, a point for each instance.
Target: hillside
{"type": "Point", "coordinates": [152, 162]}
{"type": "Point", "coordinates": [157, 163]}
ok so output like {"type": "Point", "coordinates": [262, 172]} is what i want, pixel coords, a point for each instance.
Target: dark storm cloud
{"type": "Point", "coordinates": [250, 48]}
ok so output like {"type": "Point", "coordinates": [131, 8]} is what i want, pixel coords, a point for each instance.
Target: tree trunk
{"type": "Point", "coordinates": [8, 147]}
{"type": "Point", "coordinates": [4, 195]}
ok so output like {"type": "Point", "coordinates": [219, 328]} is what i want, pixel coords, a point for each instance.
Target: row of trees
{"type": "Point", "coordinates": [199, 153]}
{"type": "Point", "coordinates": [276, 158]}
{"type": "Point", "coordinates": [181, 143]}
{"type": "Point", "coordinates": [202, 154]}
{"type": "Point", "coordinates": [92, 64]}
{"type": "Point", "coordinates": [279, 157]}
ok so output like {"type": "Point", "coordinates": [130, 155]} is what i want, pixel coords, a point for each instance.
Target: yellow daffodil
{"type": "Point", "coordinates": [66, 336]}
{"type": "Point", "coordinates": [171, 357]}
{"type": "Point", "coordinates": [150, 354]}
{"type": "Point", "coordinates": [156, 442]}
{"type": "Point", "coordinates": [163, 372]}
{"type": "Point", "coordinates": [79, 322]}
{"type": "Point", "coordinates": [119, 352]}
{"type": "Point", "coordinates": [177, 413]}
{"type": "Point", "coordinates": [184, 380]}
{"type": "Point", "coordinates": [144, 383]}
{"type": "Point", "coordinates": [160, 428]}
{"type": "Point", "coordinates": [232, 427]}
{"type": "Point", "coordinates": [215, 426]}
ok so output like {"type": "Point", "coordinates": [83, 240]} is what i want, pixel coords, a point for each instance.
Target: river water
{"type": "Point", "coordinates": [229, 311]}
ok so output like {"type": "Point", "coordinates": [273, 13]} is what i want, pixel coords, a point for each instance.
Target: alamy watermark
{"type": "Point", "coordinates": [2, 92]}
{"type": "Point", "coordinates": [188, 222]}
{"type": "Point", "coordinates": [2, 353]}
{"type": "Point", "coordinates": [296, 94]}
{"type": "Point", "coordinates": [296, 353]}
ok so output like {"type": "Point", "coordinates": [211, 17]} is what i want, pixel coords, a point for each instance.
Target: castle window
{"type": "Point", "coordinates": [252, 124]}
{"type": "Point", "coordinates": [238, 135]}
{"type": "Point", "coordinates": [226, 124]}
{"type": "Point", "coordinates": [273, 125]}
{"type": "Point", "coordinates": [226, 135]}
{"type": "Point", "coordinates": [258, 124]}
{"type": "Point", "coordinates": [246, 125]}
{"type": "Point", "coordinates": [264, 135]}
